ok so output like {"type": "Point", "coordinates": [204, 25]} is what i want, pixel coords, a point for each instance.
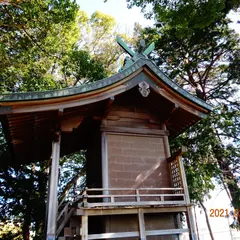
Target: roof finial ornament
{"type": "Point", "coordinates": [142, 45]}
{"type": "Point", "coordinates": [142, 51]}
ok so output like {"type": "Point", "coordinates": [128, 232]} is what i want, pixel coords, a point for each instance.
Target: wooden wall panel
{"type": "Point", "coordinates": [136, 161]}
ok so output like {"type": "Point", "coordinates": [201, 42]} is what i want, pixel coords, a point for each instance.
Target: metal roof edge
{"type": "Point", "coordinates": [176, 87]}
{"type": "Point", "coordinates": [85, 88]}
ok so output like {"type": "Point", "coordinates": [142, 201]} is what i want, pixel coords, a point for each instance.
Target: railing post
{"type": "Point", "coordinates": [183, 179]}
{"type": "Point", "coordinates": [190, 219]}
{"type": "Point", "coordinates": [137, 195]}
{"type": "Point", "coordinates": [85, 197]}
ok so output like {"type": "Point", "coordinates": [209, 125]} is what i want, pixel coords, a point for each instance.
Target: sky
{"type": "Point", "coordinates": [235, 18]}
{"type": "Point", "coordinates": [125, 19]}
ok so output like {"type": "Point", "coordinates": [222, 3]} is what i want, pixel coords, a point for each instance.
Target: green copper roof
{"type": "Point", "coordinates": [140, 62]}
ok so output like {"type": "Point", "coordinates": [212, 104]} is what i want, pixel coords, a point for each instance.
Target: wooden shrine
{"type": "Point", "coordinates": [136, 188]}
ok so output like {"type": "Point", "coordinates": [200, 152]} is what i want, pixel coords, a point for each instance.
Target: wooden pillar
{"type": "Point", "coordinates": [190, 219]}
{"type": "Point", "coordinates": [166, 142]}
{"type": "Point", "coordinates": [84, 227]}
{"type": "Point", "coordinates": [104, 162]}
{"type": "Point", "coordinates": [141, 223]}
{"type": "Point", "coordinates": [53, 199]}
{"type": "Point", "coordinates": [105, 180]}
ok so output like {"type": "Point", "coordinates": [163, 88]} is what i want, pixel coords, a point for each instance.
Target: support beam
{"type": "Point", "coordinates": [141, 224]}
{"type": "Point", "coordinates": [53, 199]}
{"type": "Point", "coordinates": [124, 211]}
{"type": "Point", "coordinates": [84, 227]}
{"type": "Point", "coordinates": [133, 131]}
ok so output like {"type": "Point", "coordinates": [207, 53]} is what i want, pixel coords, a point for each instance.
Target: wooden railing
{"type": "Point", "coordinates": [108, 197]}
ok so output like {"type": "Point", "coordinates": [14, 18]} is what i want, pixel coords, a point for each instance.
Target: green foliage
{"type": "Point", "coordinates": [72, 175]}
{"type": "Point", "coordinates": [41, 46]}
{"type": "Point", "coordinates": [78, 67]}
{"type": "Point", "coordinates": [186, 14]}
{"type": "Point", "coordinates": [22, 189]}
{"type": "Point", "coordinates": [200, 163]}
{"type": "Point", "coordinates": [10, 231]}
{"type": "Point", "coordinates": [34, 35]}
{"type": "Point", "coordinates": [98, 37]}
{"type": "Point", "coordinates": [200, 61]}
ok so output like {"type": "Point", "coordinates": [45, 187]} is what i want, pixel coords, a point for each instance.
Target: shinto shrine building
{"type": "Point", "coordinates": [136, 187]}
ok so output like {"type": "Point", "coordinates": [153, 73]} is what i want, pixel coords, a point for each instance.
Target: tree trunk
{"type": "Point", "coordinates": [207, 219]}
{"type": "Point", "coordinates": [26, 230]}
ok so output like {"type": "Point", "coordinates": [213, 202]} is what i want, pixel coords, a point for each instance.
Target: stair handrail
{"type": "Point", "coordinates": [64, 211]}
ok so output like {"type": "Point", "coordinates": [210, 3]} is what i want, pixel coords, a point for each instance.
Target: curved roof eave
{"type": "Point", "coordinates": [102, 84]}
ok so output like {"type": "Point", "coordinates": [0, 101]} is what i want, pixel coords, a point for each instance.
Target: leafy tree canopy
{"type": "Point", "coordinates": [43, 44]}
{"type": "Point", "coordinates": [35, 34]}
{"type": "Point", "coordinates": [187, 13]}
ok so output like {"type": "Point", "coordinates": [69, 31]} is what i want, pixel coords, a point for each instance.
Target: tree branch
{"type": "Point", "coordinates": [70, 184]}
